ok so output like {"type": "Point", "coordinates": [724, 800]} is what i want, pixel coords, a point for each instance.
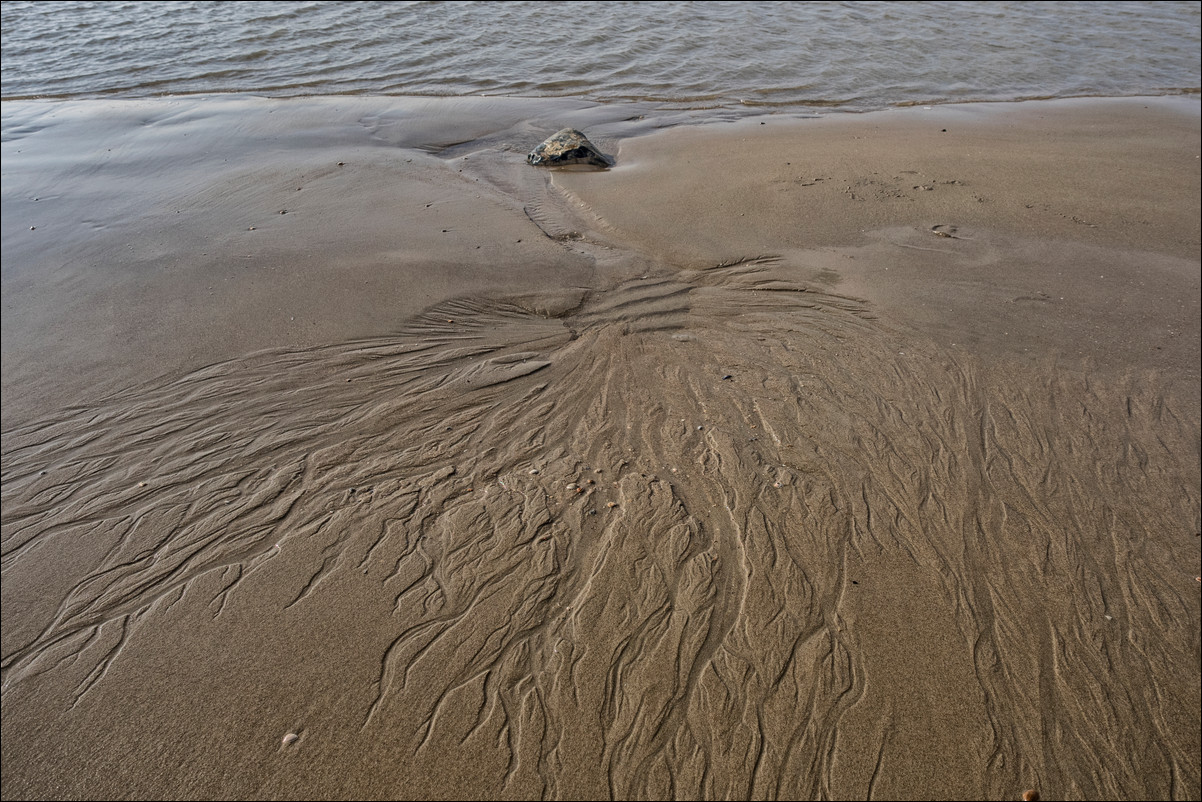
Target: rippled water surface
{"type": "Point", "coordinates": [848, 55]}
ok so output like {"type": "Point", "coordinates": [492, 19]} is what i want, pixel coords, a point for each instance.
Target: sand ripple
{"type": "Point", "coordinates": [802, 555]}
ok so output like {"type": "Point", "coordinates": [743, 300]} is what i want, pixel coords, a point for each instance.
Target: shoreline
{"type": "Point", "coordinates": [331, 418]}
{"type": "Point", "coordinates": [740, 108]}
{"type": "Point", "coordinates": [178, 154]}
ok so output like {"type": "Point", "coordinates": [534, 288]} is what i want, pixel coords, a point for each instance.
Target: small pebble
{"type": "Point", "coordinates": [290, 739]}
{"type": "Point", "coordinates": [533, 471]}
{"type": "Point", "coordinates": [611, 504]}
{"type": "Point", "coordinates": [1030, 795]}
{"type": "Point", "coordinates": [573, 486]}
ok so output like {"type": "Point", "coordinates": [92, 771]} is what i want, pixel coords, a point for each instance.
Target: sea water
{"type": "Point", "coordinates": [762, 56]}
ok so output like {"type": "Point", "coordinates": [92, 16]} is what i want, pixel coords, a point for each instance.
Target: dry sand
{"type": "Point", "coordinates": [347, 456]}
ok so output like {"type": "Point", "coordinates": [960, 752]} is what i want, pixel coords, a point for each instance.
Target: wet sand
{"type": "Point", "coordinates": [345, 455]}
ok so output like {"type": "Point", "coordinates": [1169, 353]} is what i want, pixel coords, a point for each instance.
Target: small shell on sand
{"type": "Point", "coordinates": [289, 739]}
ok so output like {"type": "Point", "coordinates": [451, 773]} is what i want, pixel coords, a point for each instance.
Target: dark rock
{"type": "Point", "coordinates": [568, 146]}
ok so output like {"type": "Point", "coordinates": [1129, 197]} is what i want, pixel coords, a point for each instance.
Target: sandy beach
{"type": "Point", "coordinates": [346, 455]}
